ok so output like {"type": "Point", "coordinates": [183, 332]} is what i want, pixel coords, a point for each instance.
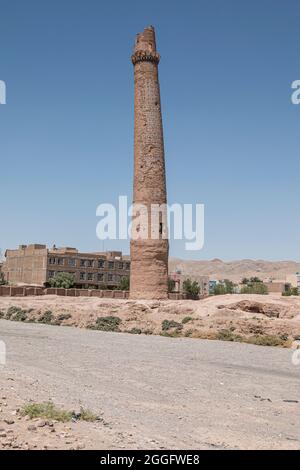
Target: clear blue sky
{"type": "Point", "coordinates": [231, 132]}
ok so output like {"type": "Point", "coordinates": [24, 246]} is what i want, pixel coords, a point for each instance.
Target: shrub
{"type": "Point", "coordinates": [109, 323]}
{"type": "Point", "coordinates": [168, 324]}
{"type": "Point", "coordinates": [46, 317]}
{"type": "Point", "coordinates": [135, 331]}
{"type": "Point", "coordinates": [188, 333]}
{"type": "Point", "coordinates": [11, 311]}
{"type": "Point", "coordinates": [16, 314]}
{"type": "Point", "coordinates": [46, 410]}
{"type": "Point", "coordinates": [62, 280]}
{"type": "Point", "coordinates": [86, 415]}
{"type": "Point", "coordinates": [186, 320]}
{"type": "Point", "coordinates": [267, 340]}
{"type": "Point", "coordinates": [64, 316]}
{"type": "Point", "coordinates": [21, 315]}
{"type": "Point", "coordinates": [227, 335]}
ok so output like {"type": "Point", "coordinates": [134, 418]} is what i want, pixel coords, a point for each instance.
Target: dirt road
{"type": "Point", "coordinates": [157, 392]}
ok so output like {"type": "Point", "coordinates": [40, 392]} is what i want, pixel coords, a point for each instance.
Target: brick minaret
{"type": "Point", "coordinates": [149, 257]}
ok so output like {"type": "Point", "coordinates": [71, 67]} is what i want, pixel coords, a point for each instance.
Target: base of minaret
{"type": "Point", "coordinates": [149, 269]}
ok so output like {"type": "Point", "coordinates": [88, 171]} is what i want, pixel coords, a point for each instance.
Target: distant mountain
{"type": "Point", "coordinates": [236, 270]}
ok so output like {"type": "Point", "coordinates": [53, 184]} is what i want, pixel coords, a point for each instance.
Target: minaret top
{"type": "Point", "coordinates": [145, 41]}
{"type": "Point", "coordinates": [145, 47]}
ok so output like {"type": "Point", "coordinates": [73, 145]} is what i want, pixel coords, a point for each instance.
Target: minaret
{"type": "Point", "coordinates": [149, 255]}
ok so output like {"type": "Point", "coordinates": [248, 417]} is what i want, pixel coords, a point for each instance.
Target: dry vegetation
{"type": "Point", "coordinates": [270, 321]}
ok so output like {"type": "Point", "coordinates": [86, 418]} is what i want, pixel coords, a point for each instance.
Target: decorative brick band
{"type": "Point", "coordinates": [144, 56]}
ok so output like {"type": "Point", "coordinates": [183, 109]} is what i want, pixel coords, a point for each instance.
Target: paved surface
{"type": "Point", "coordinates": [161, 392]}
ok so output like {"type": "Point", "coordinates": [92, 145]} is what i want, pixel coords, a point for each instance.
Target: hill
{"type": "Point", "coordinates": [236, 270]}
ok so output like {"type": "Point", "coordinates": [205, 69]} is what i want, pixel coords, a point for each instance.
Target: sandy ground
{"type": "Point", "coordinates": [240, 316]}
{"type": "Point", "coordinates": [151, 392]}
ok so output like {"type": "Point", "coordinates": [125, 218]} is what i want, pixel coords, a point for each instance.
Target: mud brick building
{"type": "Point", "coordinates": [36, 264]}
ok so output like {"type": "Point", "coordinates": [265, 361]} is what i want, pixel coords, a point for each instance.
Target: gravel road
{"type": "Point", "coordinates": [160, 392]}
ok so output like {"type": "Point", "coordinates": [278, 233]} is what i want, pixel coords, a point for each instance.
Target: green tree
{"type": "Point", "coordinates": [224, 287]}
{"type": "Point", "coordinates": [219, 289]}
{"type": "Point", "coordinates": [229, 286]}
{"type": "Point", "coordinates": [64, 280]}
{"type": "Point", "coordinates": [254, 280]}
{"type": "Point", "coordinates": [191, 288]}
{"type": "Point", "coordinates": [245, 281]}
{"type": "Point", "coordinates": [171, 285]}
{"type": "Point", "coordinates": [255, 288]}
{"type": "Point", "coordinates": [287, 290]}
{"type": "Point", "coordinates": [125, 283]}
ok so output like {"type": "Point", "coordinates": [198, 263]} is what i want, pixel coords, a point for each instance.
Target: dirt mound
{"type": "Point", "coordinates": [268, 309]}
{"type": "Point", "coordinates": [269, 320]}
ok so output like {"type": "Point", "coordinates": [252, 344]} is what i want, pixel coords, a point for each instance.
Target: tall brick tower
{"type": "Point", "coordinates": [149, 256]}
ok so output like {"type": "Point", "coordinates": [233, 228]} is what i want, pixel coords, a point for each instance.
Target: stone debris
{"type": "Point", "coordinates": [9, 421]}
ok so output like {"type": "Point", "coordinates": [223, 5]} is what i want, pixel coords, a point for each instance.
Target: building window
{"type": "Point", "coordinates": [51, 273]}
{"type": "Point", "coordinates": [90, 276]}
{"type": "Point", "coordinates": [101, 263]}
{"type": "Point", "coordinates": [100, 277]}
{"type": "Point", "coordinates": [111, 265]}
{"type": "Point", "coordinates": [82, 276]}
{"type": "Point", "coordinates": [127, 266]}
{"type": "Point", "coordinates": [51, 260]}
{"type": "Point", "coordinates": [72, 262]}
{"type": "Point", "coordinates": [60, 261]}
{"type": "Point", "coordinates": [120, 265]}
{"type": "Point", "coordinates": [90, 263]}
{"type": "Point", "coordinates": [82, 263]}
{"type": "Point", "coordinates": [110, 277]}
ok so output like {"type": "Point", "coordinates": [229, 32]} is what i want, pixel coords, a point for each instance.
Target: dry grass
{"type": "Point", "coordinates": [47, 410]}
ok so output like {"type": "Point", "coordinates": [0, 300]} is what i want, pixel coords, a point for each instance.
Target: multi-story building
{"type": "Point", "coordinates": [36, 265]}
